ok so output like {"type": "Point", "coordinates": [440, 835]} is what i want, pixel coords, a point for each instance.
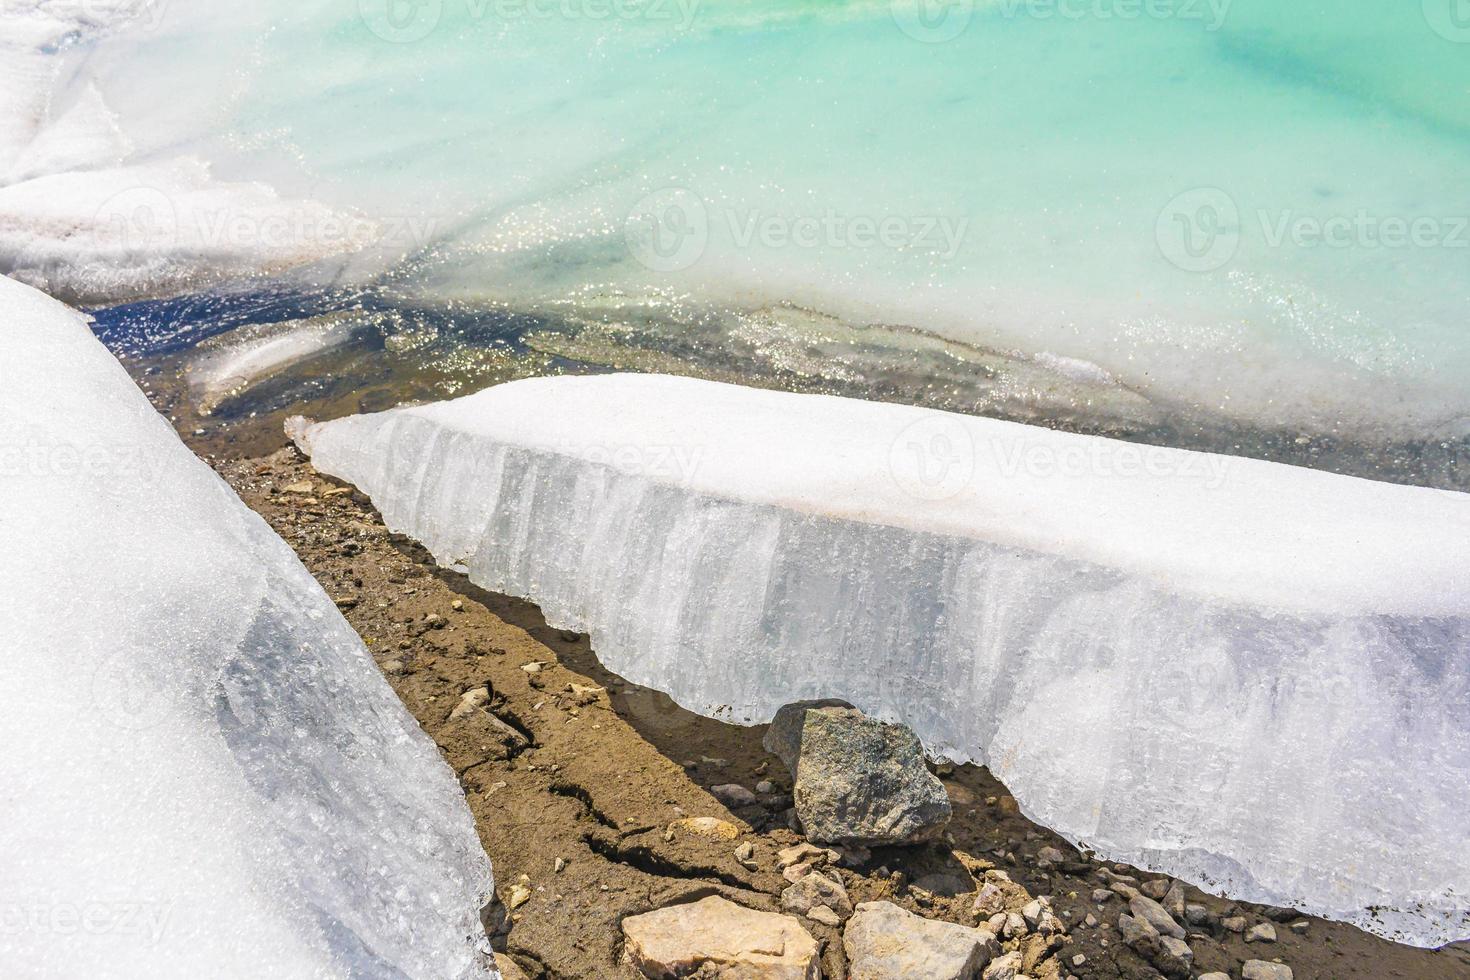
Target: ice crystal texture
{"type": "Point", "coordinates": [204, 773]}
{"type": "Point", "coordinates": [1249, 675]}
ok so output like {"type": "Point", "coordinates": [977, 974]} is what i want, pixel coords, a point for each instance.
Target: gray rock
{"type": "Point", "coordinates": [1261, 970]}
{"type": "Point", "coordinates": [860, 781]}
{"type": "Point", "coordinates": [1263, 933]}
{"type": "Point", "coordinates": [883, 941]}
{"type": "Point", "coordinates": [1234, 923]}
{"type": "Point", "coordinates": [1173, 900]}
{"type": "Point", "coordinates": [1155, 889]}
{"type": "Point", "coordinates": [1153, 912]}
{"type": "Point", "coordinates": [1101, 895]}
{"type": "Point", "coordinates": [783, 737]}
{"type": "Point", "coordinates": [733, 795]}
{"type": "Point", "coordinates": [1300, 927]}
{"type": "Point", "coordinates": [989, 900]}
{"type": "Point", "coordinates": [1214, 976]}
{"type": "Point", "coordinates": [813, 890]}
{"type": "Point", "coordinates": [1198, 915]}
{"type": "Point", "coordinates": [1175, 958]}
{"type": "Point", "coordinates": [1135, 931]}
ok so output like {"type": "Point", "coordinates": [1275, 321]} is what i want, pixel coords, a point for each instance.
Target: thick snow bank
{"type": "Point", "coordinates": [204, 774]}
{"type": "Point", "coordinates": [1249, 675]}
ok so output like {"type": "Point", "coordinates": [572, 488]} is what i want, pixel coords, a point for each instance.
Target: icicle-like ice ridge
{"type": "Point", "coordinates": [205, 774]}
{"type": "Point", "coordinates": [1312, 752]}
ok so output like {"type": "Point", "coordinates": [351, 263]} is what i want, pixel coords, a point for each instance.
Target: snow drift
{"type": "Point", "coordinates": [204, 773]}
{"type": "Point", "coordinates": [1248, 675]}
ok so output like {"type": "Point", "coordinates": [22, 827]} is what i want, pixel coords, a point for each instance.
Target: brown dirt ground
{"type": "Point", "coordinates": [610, 766]}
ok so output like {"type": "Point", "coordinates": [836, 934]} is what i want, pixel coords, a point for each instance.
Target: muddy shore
{"type": "Point", "coordinates": [593, 770]}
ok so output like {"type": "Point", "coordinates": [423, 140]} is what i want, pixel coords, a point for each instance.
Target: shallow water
{"type": "Point", "coordinates": [1246, 214]}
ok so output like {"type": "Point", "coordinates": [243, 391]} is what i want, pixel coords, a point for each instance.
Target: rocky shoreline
{"type": "Point", "coordinates": [602, 803]}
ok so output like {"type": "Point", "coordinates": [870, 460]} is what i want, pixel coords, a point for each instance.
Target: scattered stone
{"type": "Point", "coordinates": [1033, 911]}
{"type": "Point", "coordinates": [989, 900]}
{"type": "Point", "coordinates": [470, 702]}
{"type": "Point", "coordinates": [509, 969]}
{"type": "Point", "coordinates": [883, 941]}
{"type": "Point", "coordinates": [733, 795]}
{"type": "Point", "coordinates": [1234, 923]}
{"type": "Point", "coordinates": [1300, 927]}
{"type": "Point", "coordinates": [1173, 900]}
{"type": "Point", "coordinates": [1198, 915]}
{"type": "Point", "coordinates": [801, 854]}
{"type": "Point", "coordinates": [534, 667]}
{"type": "Point", "coordinates": [1007, 967]}
{"type": "Point", "coordinates": [561, 865]}
{"type": "Point", "coordinates": [1079, 959]}
{"type": "Point", "coordinates": [1015, 926]}
{"type": "Point", "coordinates": [716, 938]}
{"type": "Point", "coordinates": [825, 916]}
{"type": "Point", "coordinates": [1155, 889]}
{"type": "Point", "coordinates": [1262, 970]}
{"type": "Point", "coordinates": [305, 486]}
{"type": "Point", "coordinates": [457, 605]}
{"type": "Point", "coordinates": [745, 854]}
{"type": "Point", "coordinates": [816, 889]}
{"type": "Point", "coordinates": [1049, 857]}
{"type": "Point", "coordinates": [710, 828]}
{"type": "Point", "coordinates": [1214, 976]}
{"type": "Point", "coordinates": [1091, 921]}
{"type": "Point", "coordinates": [519, 895]}
{"type": "Point", "coordinates": [783, 737]}
{"type": "Point", "coordinates": [1153, 912]}
{"type": "Point", "coordinates": [860, 781]}
{"type": "Point", "coordinates": [765, 787]}
{"type": "Point", "coordinates": [1176, 958]}
{"type": "Point", "coordinates": [1101, 895]}
{"type": "Point", "coordinates": [1265, 932]}
{"type": "Point", "coordinates": [1136, 930]}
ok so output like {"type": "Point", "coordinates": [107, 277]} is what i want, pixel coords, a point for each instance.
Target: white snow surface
{"type": "Point", "coordinates": [1248, 675]}
{"type": "Point", "coordinates": [204, 773]}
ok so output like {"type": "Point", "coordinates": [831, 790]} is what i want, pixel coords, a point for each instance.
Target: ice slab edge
{"type": "Point", "coordinates": [205, 773]}
{"type": "Point", "coordinates": [1292, 749]}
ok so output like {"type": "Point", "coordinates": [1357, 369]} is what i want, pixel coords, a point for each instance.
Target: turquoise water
{"type": "Point", "coordinates": [1251, 208]}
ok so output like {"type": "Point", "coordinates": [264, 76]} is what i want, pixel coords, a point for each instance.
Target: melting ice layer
{"type": "Point", "coordinates": [1253, 208]}
{"type": "Point", "coordinates": [205, 774]}
{"type": "Point", "coordinates": [1248, 675]}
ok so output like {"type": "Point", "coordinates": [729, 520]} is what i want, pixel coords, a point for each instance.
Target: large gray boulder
{"type": "Point", "coordinates": [883, 941]}
{"type": "Point", "coordinates": [862, 782]}
{"type": "Point", "coordinates": [783, 738]}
